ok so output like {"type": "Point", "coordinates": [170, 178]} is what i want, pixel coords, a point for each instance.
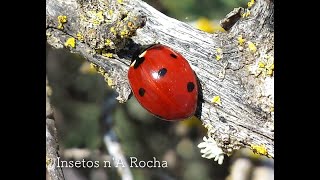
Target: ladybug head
{"type": "Point", "coordinates": [137, 57]}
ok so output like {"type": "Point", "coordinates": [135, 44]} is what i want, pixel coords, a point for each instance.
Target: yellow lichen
{"type": "Point", "coordinates": [100, 17]}
{"type": "Point", "coordinates": [250, 3]}
{"type": "Point", "coordinates": [71, 42]}
{"type": "Point", "coordinates": [108, 42]}
{"type": "Point", "coordinates": [241, 40]}
{"type": "Point", "coordinates": [95, 21]}
{"type": "Point", "coordinates": [270, 65]}
{"type": "Point", "coordinates": [109, 55]}
{"type": "Point", "coordinates": [120, 1]}
{"type": "Point", "coordinates": [252, 47]}
{"type": "Point", "coordinates": [96, 67]}
{"type": "Point", "coordinates": [101, 71]}
{"type": "Point", "coordinates": [110, 82]}
{"type": "Point", "coordinates": [61, 20]}
{"type": "Point", "coordinates": [259, 149]}
{"type": "Point", "coordinates": [272, 109]}
{"type": "Point", "coordinates": [265, 65]}
{"type": "Point", "coordinates": [95, 17]}
{"type": "Point", "coordinates": [218, 57]}
{"type": "Point", "coordinates": [261, 64]}
{"type": "Point", "coordinates": [105, 53]}
{"type": "Point", "coordinates": [269, 72]}
{"type": "Point", "coordinates": [208, 126]}
{"type": "Point", "coordinates": [79, 36]}
{"type": "Point", "coordinates": [124, 33]}
{"type": "Point", "coordinates": [246, 13]}
{"type": "Point", "coordinates": [93, 66]}
{"type": "Point", "coordinates": [110, 12]}
{"type": "Point", "coordinates": [112, 30]}
{"type": "Point", "coordinates": [219, 54]}
{"type": "Point", "coordinates": [216, 100]}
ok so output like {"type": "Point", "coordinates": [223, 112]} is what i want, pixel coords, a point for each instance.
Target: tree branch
{"type": "Point", "coordinates": [54, 172]}
{"type": "Point", "coordinates": [107, 32]}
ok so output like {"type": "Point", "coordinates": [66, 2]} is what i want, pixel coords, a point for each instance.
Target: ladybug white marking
{"type": "Point", "coordinates": [142, 54]}
{"type": "Point", "coordinates": [132, 64]}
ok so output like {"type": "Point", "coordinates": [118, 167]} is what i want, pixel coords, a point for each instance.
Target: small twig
{"type": "Point", "coordinates": [231, 18]}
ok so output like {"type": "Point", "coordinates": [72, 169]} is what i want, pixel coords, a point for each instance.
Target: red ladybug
{"type": "Point", "coordinates": [163, 82]}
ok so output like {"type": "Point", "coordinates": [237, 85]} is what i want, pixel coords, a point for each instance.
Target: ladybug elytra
{"type": "Point", "coordinates": [163, 82]}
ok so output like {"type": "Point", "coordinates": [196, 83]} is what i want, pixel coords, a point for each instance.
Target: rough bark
{"type": "Point", "coordinates": [107, 32]}
{"type": "Point", "coordinates": [52, 147]}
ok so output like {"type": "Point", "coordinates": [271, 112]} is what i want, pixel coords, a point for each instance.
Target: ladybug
{"type": "Point", "coordinates": [163, 82]}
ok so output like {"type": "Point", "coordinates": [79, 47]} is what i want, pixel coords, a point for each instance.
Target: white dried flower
{"type": "Point", "coordinates": [210, 150]}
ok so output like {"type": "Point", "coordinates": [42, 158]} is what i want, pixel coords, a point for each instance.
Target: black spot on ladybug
{"type": "Point", "coordinates": [190, 86]}
{"type": "Point", "coordinates": [138, 62]}
{"type": "Point", "coordinates": [162, 72]}
{"type": "Point", "coordinates": [173, 55]}
{"type": "Point", "coordinates": [141, 92]}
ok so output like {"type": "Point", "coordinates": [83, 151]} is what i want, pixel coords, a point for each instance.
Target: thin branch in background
{"type": "Point", "coordinates": [111, 141]}
{"type": "Point", "coordinates": [115, 151]}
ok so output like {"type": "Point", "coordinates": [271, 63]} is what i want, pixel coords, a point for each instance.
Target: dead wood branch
{"type": "Point", "coordinates": [107, 32]}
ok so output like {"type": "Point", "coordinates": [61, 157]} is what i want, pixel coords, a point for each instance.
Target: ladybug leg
{"type": "Point", "coordinates": [200, 98]}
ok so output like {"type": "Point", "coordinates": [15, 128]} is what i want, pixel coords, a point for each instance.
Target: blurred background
{"type": "Point", "coordinates": [85, 110]}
